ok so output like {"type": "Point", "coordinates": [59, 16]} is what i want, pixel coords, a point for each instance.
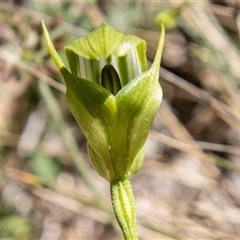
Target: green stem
{"type": "Point", "coordinates": [124, 207]}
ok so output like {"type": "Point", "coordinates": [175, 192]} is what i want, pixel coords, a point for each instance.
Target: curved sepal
{"type": "Point", "coordinates": [137, 105]}
{"type": "Point", "coordinates": [99, 43]}
{"type": "Point", "coordinates": [94, 109]}
{"type": "Point", "coordinates": [87, 56]}
{"type": "Point", "coordinates": [58, 61]}
{"type": "Point", "coordinates": [92, 106]}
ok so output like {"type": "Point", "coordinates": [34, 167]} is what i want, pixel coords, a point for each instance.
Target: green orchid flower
{"type": "Point", "coordinates": [114, 98]}
{"type": "Point", "coordinates": [116, 122]}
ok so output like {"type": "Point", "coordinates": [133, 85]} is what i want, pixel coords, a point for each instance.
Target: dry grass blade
{"type": "Point", "coordinates": [221, 109]}
{"type": "Point", "coordinates": [9, 57]}
{"type": "Point", "coordinates": [181, 133]}
{"type": "Point", "coordinates": [38, 16]}
{"type": "Point", "coordinates": [186, 146]}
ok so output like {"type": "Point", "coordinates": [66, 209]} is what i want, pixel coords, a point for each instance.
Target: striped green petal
{"type": "Point", "coordinates": [87, 56]}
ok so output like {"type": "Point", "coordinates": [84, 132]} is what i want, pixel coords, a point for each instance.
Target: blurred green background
{"type": "Point", "coordinates": [189, 185]}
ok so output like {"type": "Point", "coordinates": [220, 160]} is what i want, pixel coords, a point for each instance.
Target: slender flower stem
{"type": "Point", "coordinates": [124, 207]}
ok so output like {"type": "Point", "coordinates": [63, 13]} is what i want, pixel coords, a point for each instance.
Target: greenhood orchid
{"type": "Point", "coordinates": [112, 95]}
{"type": "Point", "coordinates": [114, 98]}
